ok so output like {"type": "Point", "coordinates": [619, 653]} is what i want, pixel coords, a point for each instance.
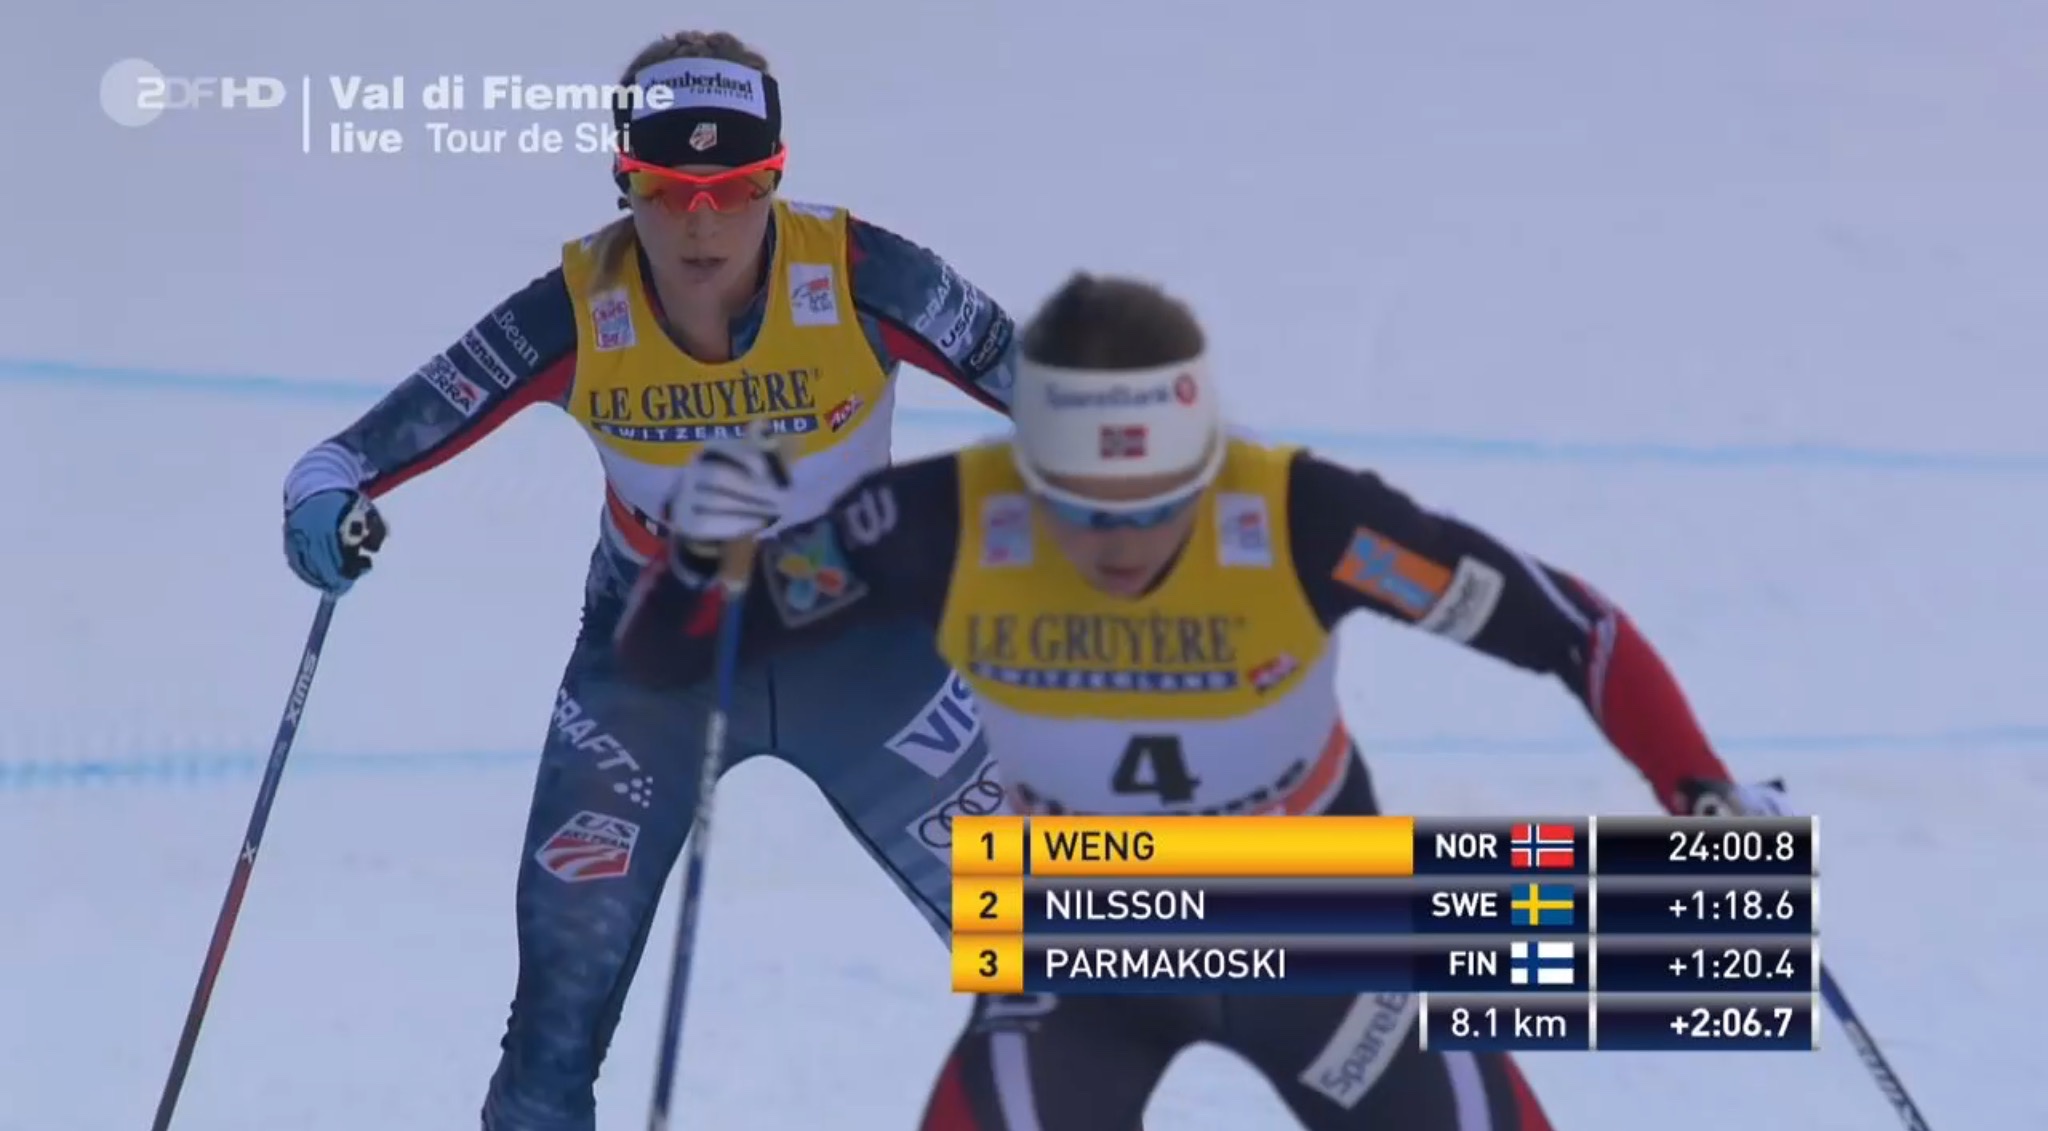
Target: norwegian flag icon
{"type": "Point", "coordinates": [1123, 441]}
{"type": "Point", "coordinates": [1541, 846]}
{"type": "Point", "coordinates": [591, 846]}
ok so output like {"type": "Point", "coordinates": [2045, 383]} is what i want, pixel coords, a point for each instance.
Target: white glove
{"type": "Point", "coordinates": [733, 490]}
{"type": "Point", "coordinates": [1728, 799]}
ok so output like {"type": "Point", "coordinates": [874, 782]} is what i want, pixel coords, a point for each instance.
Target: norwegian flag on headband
{"type": "Point", "coordinates": [1123, 441]}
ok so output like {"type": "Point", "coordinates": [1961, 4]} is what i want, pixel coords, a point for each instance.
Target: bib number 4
{"type": "Point", "coordinates": [1154, 764]}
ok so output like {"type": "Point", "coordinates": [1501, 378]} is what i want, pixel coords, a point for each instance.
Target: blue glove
{"type": "Point", "coordinates": [329, 537]}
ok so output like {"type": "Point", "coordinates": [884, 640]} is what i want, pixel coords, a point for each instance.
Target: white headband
{"type": "Point", "coordinates": [1122, 424]}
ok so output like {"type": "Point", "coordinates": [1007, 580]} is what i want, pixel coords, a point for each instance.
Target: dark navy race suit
{"type": "Point", "coordinates": [1090, 1062]}
{"type": "Point", "coordinates": [875, 719]}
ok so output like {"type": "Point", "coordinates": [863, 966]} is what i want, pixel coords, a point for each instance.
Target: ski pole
{"type": "Point", "coordinates": [245, 863]}
{"type": "Point", "coordinates": [732, 584]}
{"type": "Point", "coordinates": [1866, 1049]}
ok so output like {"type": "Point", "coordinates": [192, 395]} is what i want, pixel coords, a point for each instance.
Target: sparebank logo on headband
{"type": "Point", "coordinates": [1116, 396]}
{"type": "Point", "coordinates": [1181, 389]}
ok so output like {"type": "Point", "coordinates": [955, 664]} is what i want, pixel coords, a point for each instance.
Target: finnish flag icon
{"type": "Point", "coordinates": [1546, 963]}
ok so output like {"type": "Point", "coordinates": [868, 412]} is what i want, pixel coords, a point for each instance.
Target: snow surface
{"type": "Point", "coordinates": [1734, 308]}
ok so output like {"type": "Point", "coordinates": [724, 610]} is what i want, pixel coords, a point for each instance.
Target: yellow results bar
{"type": "Point", "coordinates": [1222, 846]}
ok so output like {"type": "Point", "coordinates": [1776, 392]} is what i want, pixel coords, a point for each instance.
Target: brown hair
{"type": "Point", "coordinates": [615, 241]}
{"type": "Point", "coordinates": [1105, 322]}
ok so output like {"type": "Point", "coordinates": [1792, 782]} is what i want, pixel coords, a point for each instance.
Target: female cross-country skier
{"type": "Point", "coordinates": [1143, 606]}
{"type": "Point", "coordinates": [713, 305]}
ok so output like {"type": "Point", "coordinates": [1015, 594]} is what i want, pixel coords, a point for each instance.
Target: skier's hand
{"type": "Point", "coordinates": [329, 537]}
{"type": "Point", "coordinates": [732, 491]}
{"type": "Point", "coordinates": [1727, 799]}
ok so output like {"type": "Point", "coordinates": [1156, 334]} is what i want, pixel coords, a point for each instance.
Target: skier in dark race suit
{"type": "Point", "coordinates": [712, 305]}
{"type": "Point", "coordinates": [1145, 607]}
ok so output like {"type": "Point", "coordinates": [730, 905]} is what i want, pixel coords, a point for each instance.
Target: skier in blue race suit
{"type": "Point", "coordinates": [713, 305]}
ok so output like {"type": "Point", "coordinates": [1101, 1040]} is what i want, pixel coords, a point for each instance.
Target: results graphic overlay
{"type": "Point", "coordinates": [1545, 867]}
{"type": "Point", "coordinates": [1488, 920]}
{"type": "Point", "coordinates": [1708, 933]}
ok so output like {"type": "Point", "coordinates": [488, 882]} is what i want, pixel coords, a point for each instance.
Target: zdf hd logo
{"type": "Point", "coordinates": [134, 92]}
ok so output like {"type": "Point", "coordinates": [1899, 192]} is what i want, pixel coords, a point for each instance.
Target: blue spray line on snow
{"type": "Point", "coordinates": [206, 767]}
{"type": "Point", "coordinates": [202, 768]}
{"type": "Point", "coordinates": [1400, 443]}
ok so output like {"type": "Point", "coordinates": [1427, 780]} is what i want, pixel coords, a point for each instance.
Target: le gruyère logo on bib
{"type": "Point", "coordinates": [692, 412]}
{"type": "Point", "coordinates": [1149, 653]}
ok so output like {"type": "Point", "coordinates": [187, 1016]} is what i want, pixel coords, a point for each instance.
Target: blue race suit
{"type": "Point", "coordinates": [875, 719]}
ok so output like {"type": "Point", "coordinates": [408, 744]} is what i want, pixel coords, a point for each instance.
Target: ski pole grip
{"type": "Point", "coordinates": [736, 564]}
{"type": "Point", "coordinates": [736, 560]}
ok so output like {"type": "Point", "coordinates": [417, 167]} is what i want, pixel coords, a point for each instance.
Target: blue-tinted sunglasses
{"type": "Point", "coordinates": [1095, 518]}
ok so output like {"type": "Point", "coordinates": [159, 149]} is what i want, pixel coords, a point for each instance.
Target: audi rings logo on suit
{"type": "Point", "coordinates": [982, 796]}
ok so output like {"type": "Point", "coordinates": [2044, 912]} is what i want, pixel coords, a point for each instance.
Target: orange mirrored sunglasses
{"type": "Point", "coordinates": [722, 191]}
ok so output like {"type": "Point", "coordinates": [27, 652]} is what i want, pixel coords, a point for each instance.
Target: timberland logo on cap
{"type": "Point", "coordinates": [710, 85]}
{"type": "Point", "coordinates": [704, 137]}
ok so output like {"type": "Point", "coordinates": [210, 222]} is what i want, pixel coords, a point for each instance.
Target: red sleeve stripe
{"type": "Point", "coordinates": [551, 383]}
{"type": "Point", "coordinates": [705, 614]}
{"type": "Point", "coordinates": [1641, 709]}
{"type": "Point", "coordinates": [1632, 694]}
{"type": "Point", "coordinates": [903, 345]}
{"type": "Point", "coordinates": [1597, 667]}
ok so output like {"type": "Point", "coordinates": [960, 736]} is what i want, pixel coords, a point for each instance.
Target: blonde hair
{"type": "Point", "coordinates": [615, 242]}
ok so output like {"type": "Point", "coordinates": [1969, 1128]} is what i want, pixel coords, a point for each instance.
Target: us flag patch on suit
{"type": "Point", "coordinates": [591, 846]}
